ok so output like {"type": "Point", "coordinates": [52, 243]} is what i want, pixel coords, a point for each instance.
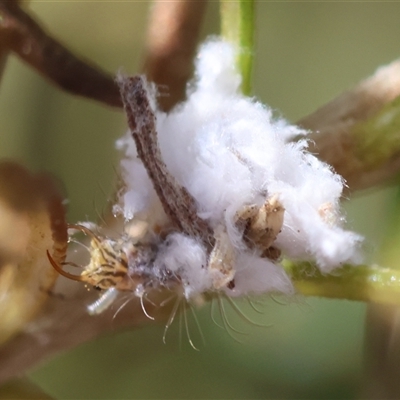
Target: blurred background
{"type": "Point", "coordinates": [306, 54]}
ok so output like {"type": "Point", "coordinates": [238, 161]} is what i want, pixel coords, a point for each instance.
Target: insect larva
{"type": "Point", "coordinates": [119, 266]}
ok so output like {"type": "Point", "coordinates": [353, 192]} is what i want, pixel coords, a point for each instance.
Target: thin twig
{"type": "Point", "coordinates": [177, 202]}
{"type": "Point", "coordinates": [20, 34]}
{"type": "Point", "coordinates": [172, 40]}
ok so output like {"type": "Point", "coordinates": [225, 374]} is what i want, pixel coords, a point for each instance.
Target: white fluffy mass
{"type": "Point", "coordinates": [229, 150]}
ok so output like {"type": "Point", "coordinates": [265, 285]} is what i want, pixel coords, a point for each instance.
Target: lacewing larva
{"type": "Point", "coordinates": [119, 266]}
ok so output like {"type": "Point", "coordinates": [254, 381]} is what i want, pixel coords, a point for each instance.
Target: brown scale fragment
{"type": "Point", "coordinates": [261, 226]}
{"type": "Point", "coordinates": [273, 253]}
{"type": "Point", "coordinates": [231, 285]}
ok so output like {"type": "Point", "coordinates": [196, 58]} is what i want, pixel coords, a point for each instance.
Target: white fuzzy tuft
{"type": "Point", "coordinates": [187, 258]}
{"type": "Point", "coordinates": [257, 275]}
{"type": "Point", "coordinates": [229, 151]}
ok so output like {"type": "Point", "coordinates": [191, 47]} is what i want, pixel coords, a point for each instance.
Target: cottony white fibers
{"type": "Point", "coordinates": [230, 151]}
{"type": "Point", "coordinates": [177, 253]}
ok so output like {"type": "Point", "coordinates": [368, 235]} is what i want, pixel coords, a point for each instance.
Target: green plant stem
{"type": "Point", "coordinates": [389, 250]}
{"type": "Point", "coordinates": [360, 283]}
{"type": "Point", "coordinates": [378, 138]}
{"type": "Point", "coordinates": [237, 27]}
{"type": "Point", "coordinates": [22, 388]}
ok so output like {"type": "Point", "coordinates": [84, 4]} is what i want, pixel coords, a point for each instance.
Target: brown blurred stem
{"type": "Point", "coordinates": [20, 34]}
{"type": "Point", "coordinates": [172, 40]}
{"type": "Point", "coordinates": [3, 50]}
{"type": "Point", "coordinates": [22, 389]}
{"type": "Point", "coordinates": [349, 131]}
{"type": "Point", "coordinates": [64, 323]}
{"type": "Point", "coordinates": [3, 59]}
{"type": "Point", "coordinates": [381, 353]}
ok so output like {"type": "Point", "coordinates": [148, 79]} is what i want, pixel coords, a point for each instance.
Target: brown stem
{"type": "Point", "coordinates": [4, 51]}
{"type": "Point", "coordinates": [171, 44]}
{"type": "Point", "coordinates": [64, 324]}
{"type": "Point", "coordinates": [3, 59]}
{"type": "Point", "coordinates": [23, 389]}
{"type": "Point", "coordinates": [335, 142]}
{"type": "Point", "coordinates": [22, 35]}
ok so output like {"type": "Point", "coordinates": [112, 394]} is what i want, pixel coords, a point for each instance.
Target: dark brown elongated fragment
{"type": "Point", "coordinates": [177, 202]}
